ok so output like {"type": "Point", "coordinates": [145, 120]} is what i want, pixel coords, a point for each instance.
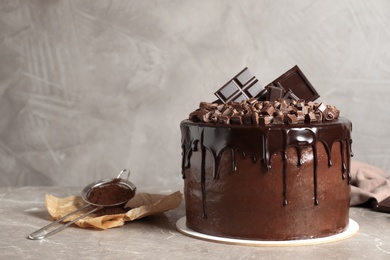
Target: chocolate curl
{"type": "Point", "coordinates": [306, 109]}
{"type": "Point", "coordinates": [319, 116]}
{"type": "Point", "coordinates": [331, 113]}
{"type": "Point", "coordinates": [195, 116]}
{"type": "Point", "coordinates": [311, 118]}
{"type": "Point", "coordinates": [300, 104]}
{"type": "Point", "coordinates": [215, 115]}
{"type": "Point", "coordinates": [253, 109]}
{"type": "Point", "coordinates": [256, 112]}
{"type": "Point", "coordinates": [208, 106]}
{"type": "Point", "coordinates": [293, 103]}
{"type": "Point", "coordinates": [251, 101]}
{"type": "Point", "coordinates": [255, 118]}
{"type": "Point", "coordinates": [241, 113]}
{"type": "Point", "coordinates": [245, 105]}
{"type": "Point", "coordinates": [321, 107]}
{"type": "Point", "coordinates": [284, 106]}
{"type": "Point", "coordinates": [236, 120]}
{"type": "Point", "coordinates": [236, 106]}
{"type": "Point", "coordinates": [278, 119]}
{"type": "Point", "coordinates": [263, 121]}
{"type": "Point", "coordinates": [313, 105]}
{"type": "Point", "coordinates": [292, 119]}
{"type": "Point", "coordinates": [247, 119]}
{"type": "Point", "coordinates": [225, 120]}
{"type": "Point", "coordinates": [300, 117]}
{"type": "Point", "coordinates": [277, 104]}
{"type": "Point", "coordinates": [292, 110]}
{"type": "Point", "coordinates": [228, 112]}
{"type": "Point", "coordinates": [221, 107]}
{"type": "Point", "coordinates": [258, 105]}
{"type": "Point", "coordinates": [267, 120]}
{"type": "Point", "coordinates": [268, 110]}
{"type": "Point", "coordinates": [278, 113]}
{"type": "Point", "coordinates": [207, 117]}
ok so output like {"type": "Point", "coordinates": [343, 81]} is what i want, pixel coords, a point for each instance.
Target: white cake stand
{"type": "Point", "coordinates": [352, 229]}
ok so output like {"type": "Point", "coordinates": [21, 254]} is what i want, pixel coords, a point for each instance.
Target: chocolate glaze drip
{"type": "Point", "coordinates": [261, 142]}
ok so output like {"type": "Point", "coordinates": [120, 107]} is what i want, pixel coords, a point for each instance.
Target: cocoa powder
{"type": "Point", "coordinates": [110, 193]}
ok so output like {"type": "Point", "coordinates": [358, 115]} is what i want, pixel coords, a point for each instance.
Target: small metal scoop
{"type": "Point", "coordinates": [49, 229]}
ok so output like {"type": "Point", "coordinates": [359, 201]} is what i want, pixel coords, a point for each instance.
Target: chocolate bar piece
{"type": "Point", "coordinates": [274, 93]}
{"type": "Point", "coordinates": [290, 96]}
{"type": "Point", "coordinates": [295, 80]}
{"type": "Point", "coordinates": [242, 87]}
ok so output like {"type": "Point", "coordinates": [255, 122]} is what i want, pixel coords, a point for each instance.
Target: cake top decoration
{"type": "Point", "coordinates": [296, 82]}
{"type": "Point", "coordinates": [243, 86]}
{"type": "Point", "coordinates": [289, 99]}
{"type": "Point", "coordinates": [255, 112]}
{"type": "Point", "coordinates": [292, 84]}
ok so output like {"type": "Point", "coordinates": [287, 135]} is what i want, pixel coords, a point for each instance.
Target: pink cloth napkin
{"type": "Point", "coordinates": [368, 182]}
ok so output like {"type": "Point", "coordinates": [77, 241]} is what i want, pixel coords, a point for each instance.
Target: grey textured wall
{"type": "Point", "coordinates": [90, 87]}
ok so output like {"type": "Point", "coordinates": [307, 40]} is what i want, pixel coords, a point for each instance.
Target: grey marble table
{"type": "Point", "coordinates": [23, 211]}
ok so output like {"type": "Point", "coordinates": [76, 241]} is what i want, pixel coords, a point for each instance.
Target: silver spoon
{"type": "Point", "coordinates": [49, 229]}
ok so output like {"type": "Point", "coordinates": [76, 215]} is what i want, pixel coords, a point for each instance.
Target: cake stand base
{"type": "Point", "coordinates": [352, 229]}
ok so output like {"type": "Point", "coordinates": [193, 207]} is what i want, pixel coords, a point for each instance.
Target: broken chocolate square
{"type": "Point", "coordinates": [295, 80]}
{"type": "Point", "coordinates": [274, 93]}
{"type": "Point", "coordinates": [242, 87]}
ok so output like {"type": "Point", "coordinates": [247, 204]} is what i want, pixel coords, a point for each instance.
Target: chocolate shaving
{"type": "Point", "coordinates": [255, 112]}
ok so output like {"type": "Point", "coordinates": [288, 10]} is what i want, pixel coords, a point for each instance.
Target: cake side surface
{"type": "Point", "coordinates": [277, 182]}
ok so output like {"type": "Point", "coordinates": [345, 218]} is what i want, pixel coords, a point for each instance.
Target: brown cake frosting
{"type": "Point", "coordinates": [266, 170]}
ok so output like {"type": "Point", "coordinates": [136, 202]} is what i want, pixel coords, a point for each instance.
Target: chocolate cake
{"type": "Point", "coordinates": [264, 164]}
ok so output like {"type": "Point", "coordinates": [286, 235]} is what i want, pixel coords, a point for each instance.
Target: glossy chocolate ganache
{"type": "Point", "coordinates": [267, 170]}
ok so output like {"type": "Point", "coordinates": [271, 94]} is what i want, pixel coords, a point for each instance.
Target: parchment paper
{"type": "Point", "coordinates": [142, 205]}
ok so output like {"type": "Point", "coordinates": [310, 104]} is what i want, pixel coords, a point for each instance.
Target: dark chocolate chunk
{"type": "Point", "coordinates": [289, 95]}
{"type": "Point", "coordinates": [292, 119]}
{"type": "Point", "coordinates": [295, 80]}
{"type": "Point", "coordinates": [267, 110]}
{"type": "Point", "coordinates": [267, 120]}
{"type": "Point", "coordinates": [321, 107]}
{"type": "Point", "coordinates": [242, 87]}
{"type": "Point", "coordinates": [274, 93]}
{"type": "Point", "coordinates": [225, 120]}
{"type": "Point", "coordinates": [310, 118]}
{"type": "Point", "coordinates": [247, 119]}
{"type": "Point", "coordinates": [319, 116]}
{"type": "Point", "coordinates": [331, 113]}
{"type": "Point", "coordinates": [195, 116]}
{"type": "Point", "coordinates": [262, 96]}
{"type": "Point", "coordinates": [279, 119]}
{"type": "Point", "coordinates": [236, 120]}
{"type": "Point", "coordinates": [300, 116]}
{"type": "Point", "coordinates": [255, 118]}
